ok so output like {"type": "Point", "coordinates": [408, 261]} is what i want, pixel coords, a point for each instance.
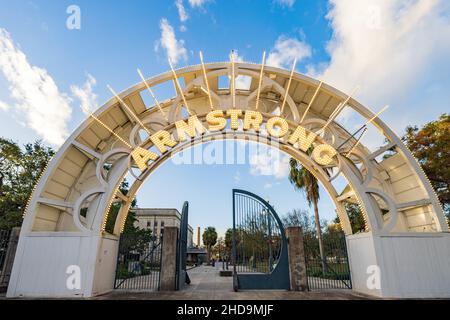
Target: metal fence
{"type": "Point", "coordinates": [257, 237]}
{"type": "Point", "coordinates": [332, 271]}
{"type": "Point", "coordinates": [138, 263]}
{"type": "Point", "coordinates": [260, 251]}
{"type": "Point", "coordinates": [8, 245]}
{"type": "Point", "coordinates": [4, 239]}
{"type": "Point", "coordinates": [182, 244]}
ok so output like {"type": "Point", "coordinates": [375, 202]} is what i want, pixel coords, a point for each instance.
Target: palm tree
{"type": "Point", "coordinates": [209, 239]}
{"type": "Point", "coordinates": [305, 181]}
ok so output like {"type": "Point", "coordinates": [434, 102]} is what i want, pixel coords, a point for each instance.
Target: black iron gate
{"type": "Point", "coordinates": [138, 262]}
{"type": "Point", "coordinates": [332, 271]}
{"type": "Point", "coordinates": [260, 257]}
{"type": "Point", "coordinates": [182, 276]}
{"type": "Point", "coordinates": [8, 246]}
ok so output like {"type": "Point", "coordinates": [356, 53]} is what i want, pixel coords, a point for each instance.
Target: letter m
{"type": "Point", "coordinates": [190, 128]}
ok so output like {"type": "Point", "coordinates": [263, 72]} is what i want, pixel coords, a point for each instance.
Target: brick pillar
{"type": "Point", "coordinates": [169, 259]}
{"type": "Point", "coordinates": [297, 262]}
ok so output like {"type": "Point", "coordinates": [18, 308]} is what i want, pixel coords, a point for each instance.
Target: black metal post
{"type": "Point", "coordinates": [235, 280]}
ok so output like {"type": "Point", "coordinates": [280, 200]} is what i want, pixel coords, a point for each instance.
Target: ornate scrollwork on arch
{"type": "Point", "coordinates": [393, 219]}
{"type": "Point", "coordinates": [77, 207]}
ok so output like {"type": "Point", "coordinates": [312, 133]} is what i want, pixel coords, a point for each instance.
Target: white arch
{"type": "Point", "coordinates": [76, 171]}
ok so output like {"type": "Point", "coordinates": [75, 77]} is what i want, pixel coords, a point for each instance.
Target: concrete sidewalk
{"type": "Point", "coordinates": [206, 284]}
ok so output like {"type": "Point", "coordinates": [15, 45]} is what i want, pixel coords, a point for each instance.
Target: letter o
{"type": "Point", "coordinates": [277, 122]}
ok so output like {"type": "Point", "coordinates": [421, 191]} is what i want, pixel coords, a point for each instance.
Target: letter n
{"type": "Point", "coordinates": [303, 137]}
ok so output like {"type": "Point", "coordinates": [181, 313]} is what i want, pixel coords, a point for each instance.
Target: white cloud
{"type": "Point", "coordinates": [236, 56]}
{"type": "Point", "coordinates": [181, 10]}
{"type": "Point", "coordinates": [4, 106]}
{"type": "Point", "coordinates": [243, 82]}
{"type": "Point", "coordinates": [85, 94]}
{"type": "Point", "coordinates": [268, 185]}
{"type": "Point", "coordinates": [397, 53]}
{"type": "Point", "coordinates": [174, 48]}
{"type": "Point", "coordinates": [197, 3]}
{"type": "Point", "coordinates": [286, 50]}
{"type": "Point", "coordinates": [35, 93]}
{"type": "Point", "coordinates": [266, 161]}
{"type": "Point", "coordinates": [286, 3]}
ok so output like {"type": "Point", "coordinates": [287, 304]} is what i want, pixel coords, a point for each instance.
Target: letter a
{"type": "Point", "coordinates": [74, 20]}
{"type": "Point", "coordinates": [142, 156]}
{"type": "Point", "coordinates": [73, 281]}
{"type": "Point", "coordinates": [373, 280]}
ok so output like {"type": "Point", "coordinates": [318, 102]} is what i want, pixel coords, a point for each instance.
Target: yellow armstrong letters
{"type": "Point", "coordinates": [218, 120]}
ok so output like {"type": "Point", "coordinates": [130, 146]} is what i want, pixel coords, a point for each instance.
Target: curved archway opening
{"type": "Point", "coordinates": [252, 160]}
{"type": "Point", "coordinates": [247, 155]}
{"type": "Point", "coordinates": [204, 172]}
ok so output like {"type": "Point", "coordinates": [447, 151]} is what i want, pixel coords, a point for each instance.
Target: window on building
{"type": "Point", "coordinates": [156, 224]}
{"type": "Point", "coordinates": [149, 224]}
{"type": "Point", "coordinates": [162, 224]}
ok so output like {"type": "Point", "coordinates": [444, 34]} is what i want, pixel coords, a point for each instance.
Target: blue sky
{"type": "Point", "coordinates": [395, 51]}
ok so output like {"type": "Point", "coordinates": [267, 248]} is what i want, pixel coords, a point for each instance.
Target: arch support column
{"type": "Point", "coordinates": [49, 264]}
{"type": "Point", "coordinates": [400, 265]}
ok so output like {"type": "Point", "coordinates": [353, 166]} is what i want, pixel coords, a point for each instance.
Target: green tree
{"type": "Point", "coordinates": [135, 239]}
{"type": "Point", "coordinates": [229, 239]}
{"type": "Point", "coordinates": [219, 249]}
{"type": "Point", "coordinates": [209, 238]}
{"type": "Point", "coordinates": [306, 182]}
{"type": "Point", "coordinates": [431, 147]}
{"type": "Point", "coordinates": [114, 211]}
{"type": "Point", "coordinates": [19, 173]}
{"type": "Point", "coordinates": [300, 218]}
{"type": "Point", "coordinates": [355, 216]}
